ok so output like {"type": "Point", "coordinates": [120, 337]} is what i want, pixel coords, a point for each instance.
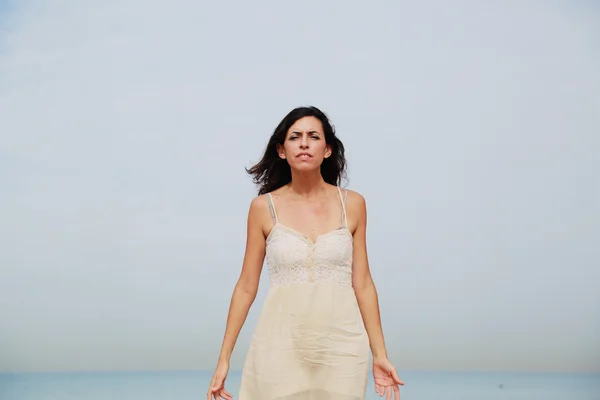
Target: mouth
{"type": "Point", "coordinates": [304, 156]}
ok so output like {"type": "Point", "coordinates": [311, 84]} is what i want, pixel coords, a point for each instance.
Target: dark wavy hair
{"type": "Point", "coordinates": [273, 172]}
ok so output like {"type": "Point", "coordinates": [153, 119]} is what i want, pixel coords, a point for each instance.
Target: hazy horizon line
{"type": "Point", "coordinates": [239, 371]}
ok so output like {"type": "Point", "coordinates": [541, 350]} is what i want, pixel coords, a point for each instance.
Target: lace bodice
{"type": "Point", "coordinates": [292, 257]}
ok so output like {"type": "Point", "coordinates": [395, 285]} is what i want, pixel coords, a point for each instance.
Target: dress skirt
{"type": "Point", "coordinates": [309, 343]}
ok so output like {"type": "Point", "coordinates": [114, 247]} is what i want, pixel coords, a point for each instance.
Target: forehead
{"type": "Point", "coordinates": [307, 124]}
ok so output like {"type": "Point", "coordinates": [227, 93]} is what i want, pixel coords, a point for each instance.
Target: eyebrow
{"type": "Point", "coordinates": [307, 132]}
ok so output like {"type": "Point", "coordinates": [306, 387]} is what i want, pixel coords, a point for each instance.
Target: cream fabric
{"type": "Point", "coordinates": [310, 341]}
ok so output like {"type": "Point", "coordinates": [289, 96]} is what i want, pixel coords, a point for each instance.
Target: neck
{"type": "Point", "coordinates": [307, 184]}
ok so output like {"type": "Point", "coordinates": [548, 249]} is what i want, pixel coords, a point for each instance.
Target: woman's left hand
{"type": "Point", "coordinates": [386, 378]}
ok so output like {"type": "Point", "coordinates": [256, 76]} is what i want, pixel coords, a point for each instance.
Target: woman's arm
{"type": "Point", "coordinates": [364, 287]}
{"type": "Point", "coordinates": [247, 285]}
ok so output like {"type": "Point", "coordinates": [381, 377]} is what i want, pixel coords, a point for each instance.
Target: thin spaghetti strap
{"type": "Point", "coordinates": [343, 199]}
{"type": "Point", "coordinates": [344, 205]}
{"type": "Point", "coordinates": [272, 208]}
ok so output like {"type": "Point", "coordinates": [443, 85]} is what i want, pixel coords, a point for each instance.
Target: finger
{"type": "Point", "coordinates": [396, 392]}
{"type": "Point", "coordinates": [209, 393]}
{"type": "Point", "coordinates": [214, 390]}
{"type": "Point", "coordinates": [379, 390]}
{"type": "Point", "coordinates": [216, 384]}
{"type": "Point", "coordinates": [388, 393]}
{"type": "Point", "coordinates": [226, 395]}
{"type": "Point", "coordinates": [397, 378]}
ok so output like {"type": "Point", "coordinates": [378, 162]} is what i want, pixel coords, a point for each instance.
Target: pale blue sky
{"type": "Point", "coordinates": [471, 128]}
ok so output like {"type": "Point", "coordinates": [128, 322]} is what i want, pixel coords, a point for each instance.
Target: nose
{"type": "Point", "coordinates": [304, 142]}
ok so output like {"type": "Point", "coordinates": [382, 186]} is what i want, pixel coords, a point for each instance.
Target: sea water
{"type": "Point", "coordinates": [188, 385]}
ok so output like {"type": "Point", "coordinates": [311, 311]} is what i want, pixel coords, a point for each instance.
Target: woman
{"type": "Point", "coordinates": [321, 314]}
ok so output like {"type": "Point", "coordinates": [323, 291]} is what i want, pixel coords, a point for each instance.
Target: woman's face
{"type": "Point", "coordinates": [304, 147]}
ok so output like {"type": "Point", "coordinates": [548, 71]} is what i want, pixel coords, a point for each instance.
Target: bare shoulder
{"type": "Point", "coordinates": [355, 202]}
{"type": "Point", "coordinates": [259, 209]}
{"type": "Point", "coordinates": [259, 204]}
{"type": "Point", "coordinates": [259, 214]}
{"type": "Point", "coordinates": [356, 210]}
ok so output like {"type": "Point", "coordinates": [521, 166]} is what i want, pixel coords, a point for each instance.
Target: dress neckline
{"type": "Point", "coordinates": [304, 236]}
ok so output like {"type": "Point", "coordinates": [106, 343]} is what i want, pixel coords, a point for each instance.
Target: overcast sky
{"type": "Point", "coordinates": [472, 128]}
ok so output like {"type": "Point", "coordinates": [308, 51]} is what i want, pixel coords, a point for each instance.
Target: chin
{"type": "Point", "coordinates": [306, 167]}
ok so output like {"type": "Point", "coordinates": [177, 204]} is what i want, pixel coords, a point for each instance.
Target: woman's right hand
{"type": "Point", "coordinates": [216, 389]}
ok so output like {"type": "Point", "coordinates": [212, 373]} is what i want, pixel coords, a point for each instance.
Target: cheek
{"type": "Point", "coordinates": [322, 147]}
{"type": "Point", "coordinates": [288, 146]}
